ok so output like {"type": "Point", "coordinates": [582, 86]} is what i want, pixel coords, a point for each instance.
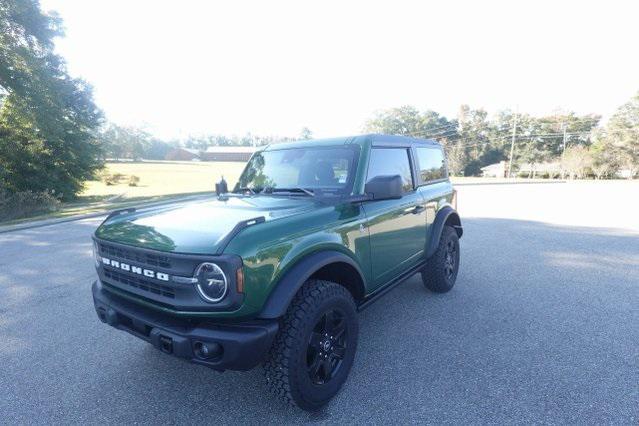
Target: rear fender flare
{"type": "Point", "coordinates": [445, 216]}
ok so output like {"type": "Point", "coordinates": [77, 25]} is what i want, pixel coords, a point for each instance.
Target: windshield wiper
{"type": "Point", "coordinates": [295, 189]}
{"type": "Point", "coordinates": [245, 189]}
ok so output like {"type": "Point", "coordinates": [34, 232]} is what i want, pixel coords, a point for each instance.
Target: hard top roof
{"type": "Point", "coordinates": [373, 139]}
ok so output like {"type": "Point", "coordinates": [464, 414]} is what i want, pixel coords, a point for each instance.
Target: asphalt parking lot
{"type": "Point", "coordinates": [542, 326]}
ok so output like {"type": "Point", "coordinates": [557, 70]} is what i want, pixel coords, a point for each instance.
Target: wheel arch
{"type": "Point", "coordinates": [446, 216]}
{"type": "Point", "coordinates": [326, 265]}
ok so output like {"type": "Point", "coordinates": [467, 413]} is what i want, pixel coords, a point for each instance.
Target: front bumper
{"type": "Point", "coordinates": [238, 346]}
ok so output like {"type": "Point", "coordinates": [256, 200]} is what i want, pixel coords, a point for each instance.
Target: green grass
{"type": "Point", "coordinates": [162, 178]}
{"type": "Point", "coordinates": [159, 181]}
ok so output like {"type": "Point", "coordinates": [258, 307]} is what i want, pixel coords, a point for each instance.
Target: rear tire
{"type": "Point", "coordinates": [440, 273]}
{"type": "Point", "coordinates": [315, 347]}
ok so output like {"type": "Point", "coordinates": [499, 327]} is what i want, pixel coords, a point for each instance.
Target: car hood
{"type": "Point", "coordinates": [200, 227]}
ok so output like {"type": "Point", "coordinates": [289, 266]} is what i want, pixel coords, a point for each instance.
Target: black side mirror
{"type": "Point", "coordinates": [221, 187]}
{"type": "Point", "coordinates": [386, 187]}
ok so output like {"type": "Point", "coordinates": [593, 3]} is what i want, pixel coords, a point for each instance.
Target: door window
{"type": "Point", "coordinates": [431, 164]}
{"type": "Point", "coordinates": [391, 161]}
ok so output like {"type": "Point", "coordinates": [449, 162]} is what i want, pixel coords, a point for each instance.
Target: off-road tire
{"type": "Point", "coordinates": [286, 368]}
{"type": "Point", "coordinates": [437, 274]}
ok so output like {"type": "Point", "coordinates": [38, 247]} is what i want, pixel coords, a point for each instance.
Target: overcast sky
{"type": "Point", "coordinates": [272, 67]}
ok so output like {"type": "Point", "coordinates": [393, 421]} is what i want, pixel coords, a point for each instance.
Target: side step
{"type": "Point", "coordinates": [388, 287]}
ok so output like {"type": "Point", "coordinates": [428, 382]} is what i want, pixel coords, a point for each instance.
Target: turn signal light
{"type": "Point", "coordinates": [239, 279]}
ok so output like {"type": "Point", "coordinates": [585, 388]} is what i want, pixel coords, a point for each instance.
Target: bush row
{"type": "Point", "coordinates": [118, 178]}
{"type": "Point", "coordinates": [26, 203]}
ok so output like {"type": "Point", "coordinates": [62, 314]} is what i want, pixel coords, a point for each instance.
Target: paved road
{"type": "Point", "coordinates": [543, 326]}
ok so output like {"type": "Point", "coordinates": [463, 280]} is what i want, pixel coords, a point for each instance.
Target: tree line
{"type": "Point", "coordinates": [48, 119]}
{"type": "Point", "coordinates": [124, 142]}
{"type": "Point", "coordinates": [53, 138]}
{"type": "Point", "coordinates": [563, 144]}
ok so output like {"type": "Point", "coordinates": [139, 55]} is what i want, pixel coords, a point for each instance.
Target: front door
{"type": "Point", "coordinates": [397, 227]}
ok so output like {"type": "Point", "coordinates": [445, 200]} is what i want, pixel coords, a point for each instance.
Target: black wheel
{"type": "Point", "coordinates": [315, 347]}
{"type": "Point", "coordinates": [440, 272]}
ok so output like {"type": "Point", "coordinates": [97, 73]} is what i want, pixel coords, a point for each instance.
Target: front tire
{"type": "Point", "coordinates": [315, 347]}
{"type": "Point", "coordinates": [440, 273]}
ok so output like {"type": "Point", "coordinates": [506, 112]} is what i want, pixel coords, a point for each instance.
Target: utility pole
{"type": "Point", "coordinates": [563, 149]}
{"type": "Point", "coordinates": [512, 144]}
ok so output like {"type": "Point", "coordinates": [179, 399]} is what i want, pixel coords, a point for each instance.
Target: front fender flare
{"type": "Point", "coordinates": [445, 216]}
{"type": "Point", "coordinates": [286, 288]}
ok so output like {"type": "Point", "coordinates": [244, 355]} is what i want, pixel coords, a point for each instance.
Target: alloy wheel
{"type": "Point", "coordinates": [327, 347]}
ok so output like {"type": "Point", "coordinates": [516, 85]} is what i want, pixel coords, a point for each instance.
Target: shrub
{"type": "Point", "coordinates": [26, 203]}
{"type": "Point", "coordinates": [111, 179]}
{"type": "Point", "coordinates": [134, 180]}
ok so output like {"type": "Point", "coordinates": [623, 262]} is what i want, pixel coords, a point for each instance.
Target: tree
{"type": "Point", "coordinates": [456, 157]}
{"type": "Point", "coordinates": [533, 147]}
{"type": "Point", "coordinates": [604, 156]}
{"type": "Point", "coordinates": [408, 121]}
{"type": "Point", "coordinates": [157, 149]}
{"type": "Point", "coordinates": [405, 120]}
{"type": "Point", "coordinates": [306, 133]}
{"type": "Point", "coordinates": [474, 146]}
{"type": "Point", "coordinates": [125, 142]}
{"type": "Point", "coordinates": [623, 133]}
{"type": "Point", "coordinates": [474, 140]}
{"type": "Point", "coordinates": [576, 161]}
{"type": "Point", "coordinates": [48, 119]}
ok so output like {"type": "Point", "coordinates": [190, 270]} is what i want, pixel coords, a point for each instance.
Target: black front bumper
{"type": "Point", "coordinates": [238, 346]}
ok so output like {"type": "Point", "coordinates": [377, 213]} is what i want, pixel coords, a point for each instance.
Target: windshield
{"type": "Point", "coordinates": [298, 169]}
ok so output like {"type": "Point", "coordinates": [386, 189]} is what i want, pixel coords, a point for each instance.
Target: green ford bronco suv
{"type": "Point", "coordinates": [275, 271]}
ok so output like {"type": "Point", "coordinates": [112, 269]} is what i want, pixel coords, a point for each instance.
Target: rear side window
{"type": "Point", "coordinates": [431, 164]}
{"type": "Point", "coordinates": [391, 161]}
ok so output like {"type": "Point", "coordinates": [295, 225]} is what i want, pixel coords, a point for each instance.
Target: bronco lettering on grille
{"type": "Point", "coordinates": [135, 269]}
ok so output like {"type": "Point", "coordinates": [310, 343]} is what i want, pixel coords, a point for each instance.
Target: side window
{"type": "Point", "coordinates": [391, 161]}
{"type": "Point", "coordinates": [431, 164]}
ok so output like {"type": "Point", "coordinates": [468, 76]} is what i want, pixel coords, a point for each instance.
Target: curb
{"type": "Point", "coordinates": [549, 182]}
{"type": "Point", "coordinates": [48, 222]}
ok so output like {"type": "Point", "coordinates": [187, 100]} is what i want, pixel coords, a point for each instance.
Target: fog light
{"type": "Point", "coordinates": [207, 350]}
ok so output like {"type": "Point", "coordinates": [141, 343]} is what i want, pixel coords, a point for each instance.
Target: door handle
{"type": "Point", "coordinates": [415, 209]}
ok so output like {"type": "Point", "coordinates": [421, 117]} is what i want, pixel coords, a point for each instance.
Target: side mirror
{"type": "Point", "coordinates": [221, 187]}
{"type": "Point", "coordinates": [386, 187]}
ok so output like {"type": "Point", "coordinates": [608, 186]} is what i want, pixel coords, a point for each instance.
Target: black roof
{"type": "Point", "coordinates": [380, 139]}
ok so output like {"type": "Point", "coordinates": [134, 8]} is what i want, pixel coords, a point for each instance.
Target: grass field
{"type": "Point", "coordinates": [163, 181]}
{"type": "Point", "coordinates": [162, 178]}
{"type": "Point", "coordinates": [160, 181]}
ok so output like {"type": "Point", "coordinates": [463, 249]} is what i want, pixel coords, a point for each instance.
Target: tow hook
{"type": "Point", "coordinates": [166, 344]}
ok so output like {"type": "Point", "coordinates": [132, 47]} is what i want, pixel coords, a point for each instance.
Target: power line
{"type": "Point", "coordinates": [492, 140]}
{"type": "Point", "coordinates": [451, 130]}
{"type": "Point", "coordinates": [523, 135]}
{"type": "Point", "coordinates": [445, 134]}
{"type": "Point", "coordinates": [421, 132]}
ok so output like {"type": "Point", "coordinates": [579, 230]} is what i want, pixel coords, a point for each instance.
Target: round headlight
{"type": "Point", "coordinates": [211, 282]}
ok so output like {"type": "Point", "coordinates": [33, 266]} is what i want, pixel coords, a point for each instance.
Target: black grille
{"type": "Point", "coordinates": [135, 256]}
{"type": "Point", "coordinates": [140, 283]}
